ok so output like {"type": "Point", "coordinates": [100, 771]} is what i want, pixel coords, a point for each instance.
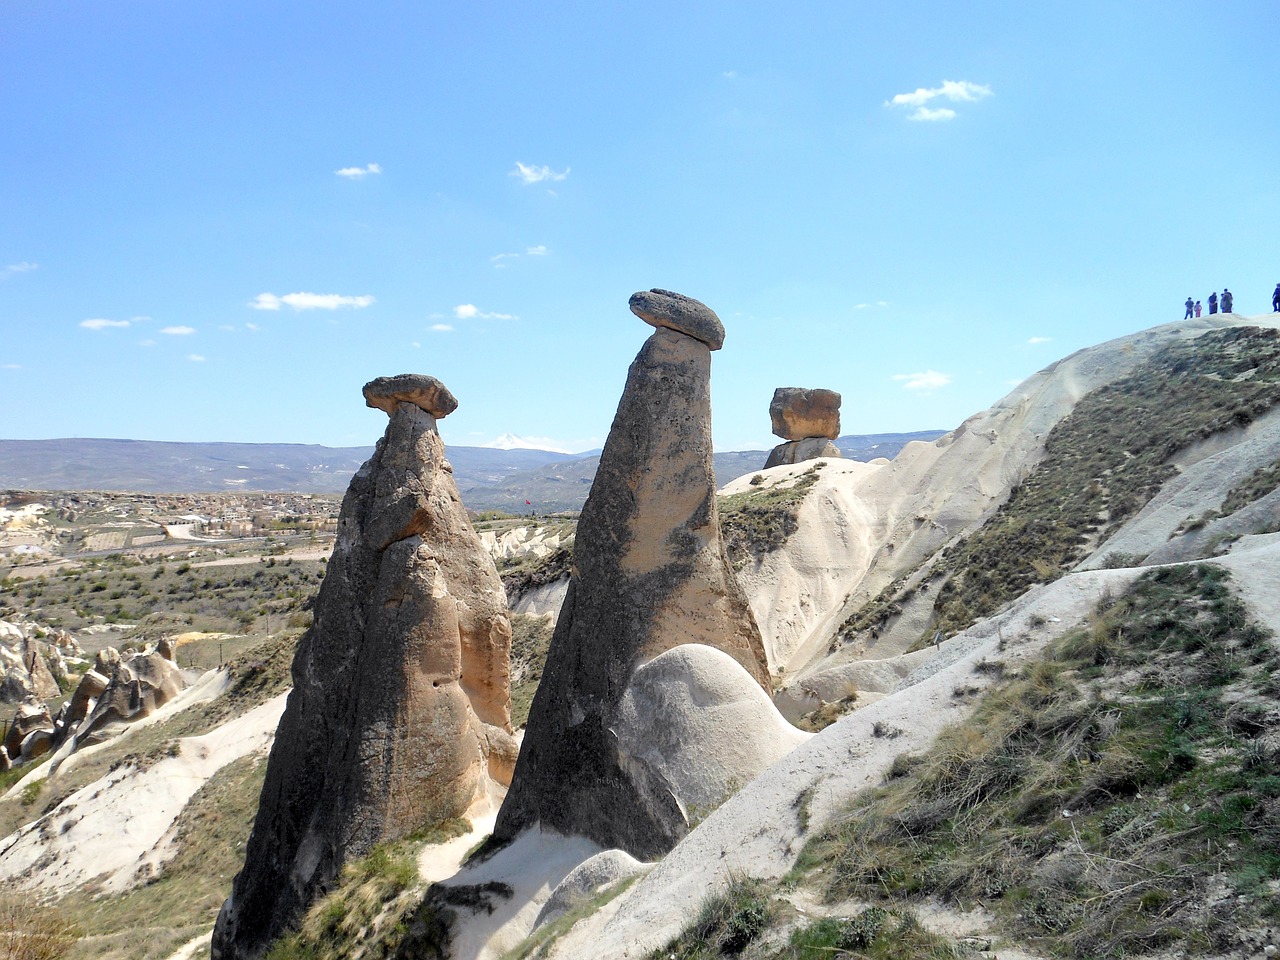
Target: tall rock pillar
{"type": "Point", "coordinates": [400, 708]}
{"type": "Point", "coordinates": [650, 573]}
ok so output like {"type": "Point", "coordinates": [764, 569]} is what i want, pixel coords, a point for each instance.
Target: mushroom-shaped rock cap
{"type": "Point", "coordinates": [662, 308]}
{"type": "Point", "coordinates": [422, 391]}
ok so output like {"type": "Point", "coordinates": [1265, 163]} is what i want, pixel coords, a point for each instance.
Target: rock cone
{"type": "Point", "coordinates": [650, 573]}
{"type": "Point", "coordinates": [400, 709]}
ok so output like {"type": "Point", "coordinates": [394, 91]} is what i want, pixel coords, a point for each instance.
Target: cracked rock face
{"type": "Point", "coordinates": [650, 573]}
{"type": "Point", "coordinates": [400, 711]}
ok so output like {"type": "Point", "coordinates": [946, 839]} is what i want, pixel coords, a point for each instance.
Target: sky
{"type": "Point", "coordinates": [219, 220]}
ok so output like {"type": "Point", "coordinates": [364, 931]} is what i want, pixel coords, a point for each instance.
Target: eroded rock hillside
{"type": "Point", "coordinates": [1017, 701]}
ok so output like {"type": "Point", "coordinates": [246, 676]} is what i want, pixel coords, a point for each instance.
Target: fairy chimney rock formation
{"type": "Point", "coordinates": [400, 714]}
{"type": "Point", "coordinates": [808, 420]}
{"type": "Point", "coordinates": [650, 573]}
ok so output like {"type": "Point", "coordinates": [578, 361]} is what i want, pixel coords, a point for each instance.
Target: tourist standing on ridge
{"type": "Point", "coordinates": [1213, 303]}
{"type": "Point", "coordinates": [1275, 300]}
{"type": "Point", "coordinates": [1191, 305]}
{"type": "Point", "coordinates": [1226, 300]}
{"type": "Point", "coordinates": [1197, 309]}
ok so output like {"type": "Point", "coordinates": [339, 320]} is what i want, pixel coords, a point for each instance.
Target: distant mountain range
{"type": "Point", "coordinates": [489, 478]}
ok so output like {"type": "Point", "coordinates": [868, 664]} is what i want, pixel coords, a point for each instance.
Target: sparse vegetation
{"type": "Point", "coordinates": [31, 930]}
{"type": "Point", "coordinates": [1115, 797]}
{"type": "Point", "coordinates": [530, 641]}
{"type": "Point", "coordinates": [759, 521]}
{"type": "Point", "coordinates": [1102, 464]}
{"type": "Point", "coordinates": [1258, 484]}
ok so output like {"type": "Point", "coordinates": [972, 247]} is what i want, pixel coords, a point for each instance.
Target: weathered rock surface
{"type": "Point", "coordinates": [675, 311]}
{"type": "Point", "coordinates": [798, 451]}
{"type": "Point", "coordinates": [138, 687]}
{"type": "Point", "coordinates": [583, 881]}
{"type": "Point", "coordinates": [400, 709]}
{"type": "Point", "coordinates": [30, 716]}
{"type": "Point", "coordinates": [425, 393]}
{"type": "Point", "coordinates": [798, 413]}
{"type": "Point", "coordinates": [24, 666]}
{"type": "Point", "coordinates": [650, 574]}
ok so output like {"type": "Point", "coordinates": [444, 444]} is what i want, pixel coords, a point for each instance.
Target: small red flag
{"type": "Point", "coordinates": [528, 503]}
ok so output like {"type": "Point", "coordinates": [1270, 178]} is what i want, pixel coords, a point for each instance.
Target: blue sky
{"type": "Point", "coordinates": [218, 221]}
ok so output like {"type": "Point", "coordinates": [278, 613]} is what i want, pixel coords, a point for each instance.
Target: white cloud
{"type": "Point", "coordinates": [1035, 340]}
{"type": "Point", "coordinates": [178, 331]}
{"type": "Point", "coordinates": [358, 173]}
{"type": "Point", "coordinates": [309, 301]}
{"type": "Point", "coordinates": [956, 91]}
{"type": "Point", "coordinates": [534, 174]}
{"type": "Point", "coordinates": [928, 114]}
{"type": "Point", "coordinates": [441, 327]}
{"type": "Point", "coordinates": [10, 366]}
{"type": "Point", "coordinates": [99, 324]}
{"type": "Point", "coordinates": [252, 326]}
{"type": "Point", "coordinates": [539, 251]}
{"type": "Point", "coordinates": [415, 344]}
{"type": "Point", "coordinates": [146, 343]}
{"type": "Point", "coordinates": [730, 74]}
{"type": "Point", "coordinates": [868, 306]}
{"type": "Point", "coordinates": [195, 358]}
{"type": "Point", "coordinates": [926, 381]}
{"type": "Point", "coordinates": [469, 311]}
{"type": "Point", "coordinates": [15, 268]}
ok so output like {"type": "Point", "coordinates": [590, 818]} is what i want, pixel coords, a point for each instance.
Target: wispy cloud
{"type": "Point", "coordinates": [529, 173]}
{"type": "Point", "coordinates": [99, 324]}
{"type": "Point", "coordinates": [499, 260]}
{"type": "Point", "coordinates": [10, 366]}
{"type": "Point", "coordinates": [955, 91]}
{"type": "Point", "coordinates": [178, 331]}
{"type": "Point", "coordinates": [309, 301]}
{"type": "Point", "coordinates": [926, 381]}
{"type": "Point", "coordinates": [195, 358]}
{"type": "Point", "coordinates": [441, 327]}
{"type": "Point", "coordinates": [1035, 340]}
{"type": "Point", "coordinates": [469, 311]}
{"type": "Point", "coordinates": [13, 269]}
{"type": "Point", "coordinates": [358, 173]}
{"type": "Point", "coordinates": [253, 327]}
{"type": "Point", "coordinates": [868, 306]}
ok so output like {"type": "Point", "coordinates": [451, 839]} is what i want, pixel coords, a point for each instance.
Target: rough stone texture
{"type": "Point", "coordinates": [30, 716]}
{"type": "Point", "coordinates": [5, 763]}
{"type": "Point", "coordinates": [87, 692]}
{"type": "Point", "coordinates": [798, 451]}
{"type": "Point", "coordinates": [36, 744]}
{"type": "Point", "coordinates": [400, 709]}
{"type": "Point", "coordinates": [138, 687]}
{"type": "Point", "coordinates": [650, 573]}
{"type": "Point", "coordinates": [798, 413]}
{"type": "Point", "coordinates": [582, 882]}
{"type": "Point", "coordinates": [167, 650]}
{"type": "Point", "coordinates": [426, 393]}
{"type": "Point", "coordinates": [662, 308]}
{"type": "Point", "coordinates": [24, 667]}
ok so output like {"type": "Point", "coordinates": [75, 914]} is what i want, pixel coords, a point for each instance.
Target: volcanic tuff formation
{"type": "Point", "coordinates": [808, 420]}
{"type": "Point", "coordinates": [400, 710]}
{"type": "Point", "coordinates": [650, 573]}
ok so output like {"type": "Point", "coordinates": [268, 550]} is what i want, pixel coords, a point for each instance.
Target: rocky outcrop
{"type": "Point", "coordinates": [650, 573]}
{"type": "Point", "coordinates": [139, 686]}
{"type": "Point", "coordinates": [808, 420]}
{"type": "Point", "coordinates": [400, 709]}
{"type": "Point", "coordinates": [24, 666]}
{"type": "Point", "coordinates": [30, 717]}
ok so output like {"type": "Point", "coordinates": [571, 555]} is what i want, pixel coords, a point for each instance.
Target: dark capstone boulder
{"type": "Point", "coordinates": [675, 311]}
{"type": "Point", "coordinates": [399, 717]}
{"type": "Point", "coordinates": [650, 573]}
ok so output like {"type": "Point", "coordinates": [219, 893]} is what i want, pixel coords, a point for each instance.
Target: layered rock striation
{"type": "Point", "coordinates": [400, 711]}
{"type": "Point", "coordinates": [650, 573]}
{"type": "Point", "coordinates": [808, 420]}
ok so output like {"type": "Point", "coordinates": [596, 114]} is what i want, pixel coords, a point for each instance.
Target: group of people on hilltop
{"type": "Point", "coordinates": [1193, 306]}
